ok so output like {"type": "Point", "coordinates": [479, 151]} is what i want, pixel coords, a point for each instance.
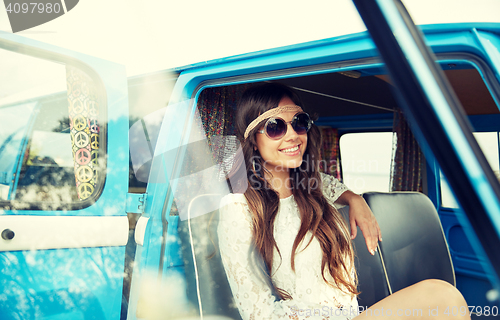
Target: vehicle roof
{"type": "Point", "coordinates": [426, 29]}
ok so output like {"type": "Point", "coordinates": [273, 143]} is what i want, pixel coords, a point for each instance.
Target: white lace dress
{"type": "Point", "coordinates": [312, 297]}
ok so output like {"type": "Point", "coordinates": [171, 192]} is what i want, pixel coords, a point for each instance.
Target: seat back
{"type": "Point", "coordinates": [372, 282]}
{"type": "Point", "coordinates": [206, 279]}
{"type": "Point", "coordinates": [414, 247]}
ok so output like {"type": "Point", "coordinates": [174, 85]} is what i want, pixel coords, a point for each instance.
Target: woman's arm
{"type": "Point", "coordinates": [359, 212]}
{"type": "Point", "coordinates": [361, 215]}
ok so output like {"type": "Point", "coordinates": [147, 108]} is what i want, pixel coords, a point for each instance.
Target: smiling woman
{"type": "Point", "coordinates": [284, 235]}
{"type": "Point", "coordinates": [278, 242]}
{"type": "Point", "coordinates": [286, 205]}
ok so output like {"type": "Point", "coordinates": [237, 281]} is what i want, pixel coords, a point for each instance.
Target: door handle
{"type": "Point", "coordinates": [8, 234]}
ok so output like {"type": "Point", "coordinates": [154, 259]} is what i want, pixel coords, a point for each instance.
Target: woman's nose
{"type": "Point", "coordinates": [290, 133]}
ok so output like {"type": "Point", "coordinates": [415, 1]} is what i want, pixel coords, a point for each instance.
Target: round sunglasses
{"type": "Point", "coordinates": [275, 128]}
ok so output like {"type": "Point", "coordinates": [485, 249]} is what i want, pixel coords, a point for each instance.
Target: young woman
{"type": "Point", "coordinates": [286, 250]}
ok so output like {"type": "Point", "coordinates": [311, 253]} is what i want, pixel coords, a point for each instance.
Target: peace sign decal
{"type": "Point", "coordinates": [82, 156]}
{"type": "Point", "coordinates": [85, 190]}
{"type": "Point", "coordinates": [84, 129]}
{"type": "Point", "coordinates": [84, 174]}
{"type": "Point", "coordinates": [81, 139]}
{"type": "Point", "coordinates": [77, 107]}
{"type": "Point", "coordinates": [79, 122]}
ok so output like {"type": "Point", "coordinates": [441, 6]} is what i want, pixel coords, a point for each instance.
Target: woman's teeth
{"type": "Point", "coordinates": [289, 150]}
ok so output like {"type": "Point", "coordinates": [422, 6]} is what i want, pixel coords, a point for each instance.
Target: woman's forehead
{"type": "Point", "coordinates": [287, 115]}
{"type": "Point", "coordinates": [285, 101]}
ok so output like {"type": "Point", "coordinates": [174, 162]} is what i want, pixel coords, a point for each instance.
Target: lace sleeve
{"type": "Point", "coordinates": [332, 189]}
{"type": "Point", "coordinates": [252, 295]}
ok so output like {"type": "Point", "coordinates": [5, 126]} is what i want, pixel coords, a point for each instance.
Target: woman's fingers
{"type": "Point", "coordinates": [371, 230]}
{"type": "Point", "coordinates": [371, 234]}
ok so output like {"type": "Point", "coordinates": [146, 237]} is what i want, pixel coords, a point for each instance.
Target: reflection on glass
{"type": "Point", "coordinates": [49, 137]}
{"type": "Point", "coordinates": [28, 78]}
{"type": "Point", "coordinates": [488, 141]}
{"type": "Point", "coordinates": [12, 138]}
{"type": "Point", "coordinates": [447, 198]}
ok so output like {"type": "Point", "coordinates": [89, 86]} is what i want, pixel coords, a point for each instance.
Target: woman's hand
{"type": "Point", "coordinates": [360, 215]}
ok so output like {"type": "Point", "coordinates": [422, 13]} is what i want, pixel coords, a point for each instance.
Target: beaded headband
{"type": "Point", "coordinates": [269, 114]}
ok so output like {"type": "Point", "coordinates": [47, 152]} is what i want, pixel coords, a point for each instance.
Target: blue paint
{"type": "Point", "coordinates": [83, 282]}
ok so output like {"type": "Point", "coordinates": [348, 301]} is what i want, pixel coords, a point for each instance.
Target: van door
{"type": "Point", "coordinates": [183, 194]}
{"type": "Point", "coordinates": [63, 182]}
{"type": "Point", "coordinates": [437, 115]}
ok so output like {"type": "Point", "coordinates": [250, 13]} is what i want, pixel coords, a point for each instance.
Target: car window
{"type": "Point", "coordinates": [51, 133]}
{"type": "Point", "coordinates": [366, 160]}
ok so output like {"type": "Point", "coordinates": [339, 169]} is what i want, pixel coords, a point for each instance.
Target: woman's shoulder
{"type": "Point", "coordinates": [235, 203]}
{"type": "Point", "coordinates": [233, 207]}
{"type": "Point", "coordinates": [233, 198]}
{"type": "Point", "coordinates": [325, 177]}
{"type": "Point", "coordinates": [332, 187]}
{"type": "Point", "coordinates": [328, 181]}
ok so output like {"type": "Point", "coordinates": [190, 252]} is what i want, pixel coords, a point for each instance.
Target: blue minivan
{"type": "Point", "coordinates": [109, 187]}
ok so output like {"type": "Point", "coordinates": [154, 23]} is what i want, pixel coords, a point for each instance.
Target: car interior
{"type": "Point", "coordinates": [359, 99]}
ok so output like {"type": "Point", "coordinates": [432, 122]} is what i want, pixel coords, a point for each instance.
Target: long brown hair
{"type": "Point", "coordinates": [317, 215]}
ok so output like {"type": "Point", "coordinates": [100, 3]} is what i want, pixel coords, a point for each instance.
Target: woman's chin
{"type": "Point", "coordinates": [293, 164]}
{"type": "Point", "coordinates": [283, 165]}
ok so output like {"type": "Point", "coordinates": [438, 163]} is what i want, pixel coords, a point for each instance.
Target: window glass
{"type": "Point", "coordinates": [447, 198]}
{"type": "Point", "coordinates": [11, 135]}
{"type": "Point", "coordinates": [50, 133]}
{"type": "Point", "coordinates": [488, 141]}
{"type": "Point", "coordinates": [366, 160]}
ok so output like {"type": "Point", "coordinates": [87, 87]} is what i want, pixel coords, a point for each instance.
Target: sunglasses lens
{"type": "Point", "coordinates": [275, 128]}
{"type": "Point", "coordinates": [301, 123]}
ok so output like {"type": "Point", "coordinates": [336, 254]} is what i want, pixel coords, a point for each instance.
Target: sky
{"type": "Point", "coordinates": [153, 35]}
